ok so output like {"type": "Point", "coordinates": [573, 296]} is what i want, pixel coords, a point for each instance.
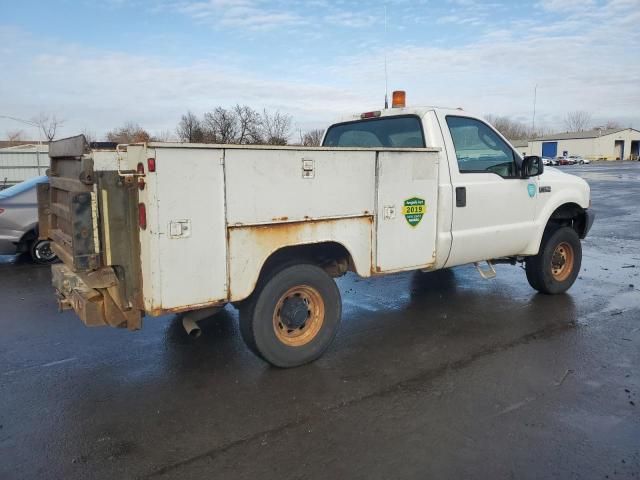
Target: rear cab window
{"type": "Point", "coordinates": [403, 131]}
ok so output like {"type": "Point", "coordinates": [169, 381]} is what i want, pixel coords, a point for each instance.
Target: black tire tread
{"type": "Point", "coordinates": [536, 266]}
{"type": "Point", "coordinates": [264, 346]}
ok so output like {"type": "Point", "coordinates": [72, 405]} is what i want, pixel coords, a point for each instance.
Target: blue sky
{"type": "Point", "coordinates": [99, 64]}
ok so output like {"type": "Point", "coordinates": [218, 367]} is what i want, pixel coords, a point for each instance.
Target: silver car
{"type": "Point", "coordinates": [19, 222]}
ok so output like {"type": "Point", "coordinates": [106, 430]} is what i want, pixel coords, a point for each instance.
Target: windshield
{"type": "Point", "coordinates": [23, 186]}
{"type": "Point", "coordinates": [394, 132]}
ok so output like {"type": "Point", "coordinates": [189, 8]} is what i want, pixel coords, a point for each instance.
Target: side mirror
{"type": "Point", "coordinates": [532, 166]}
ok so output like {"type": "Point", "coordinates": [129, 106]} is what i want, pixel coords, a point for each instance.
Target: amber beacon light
{"type": "Point", "coordinates": [398, 99]}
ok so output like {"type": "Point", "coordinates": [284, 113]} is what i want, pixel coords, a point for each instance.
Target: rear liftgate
{"type": "Point", "coordinates": [100, 275]}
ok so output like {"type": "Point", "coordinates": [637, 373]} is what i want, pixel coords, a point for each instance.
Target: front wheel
{"type": "Point", "coordinates": [292, 316]}
{"type": "Point", "coordinates": [556, 266]}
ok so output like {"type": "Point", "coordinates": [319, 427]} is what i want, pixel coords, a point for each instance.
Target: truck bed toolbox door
{"type": "Point", "coordinates": [407, 200]}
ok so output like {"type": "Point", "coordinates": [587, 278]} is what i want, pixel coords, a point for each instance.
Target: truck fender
{"type": "Point", "coordinates": [543, 217]}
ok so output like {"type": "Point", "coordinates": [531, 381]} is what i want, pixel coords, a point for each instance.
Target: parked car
{"type": "Point", "coordinates": [19, 222]}
{"type": "Point", "coordinates": [548, 161]}
{"type": "Point", "coordinates": [566, 161]}
{"type": "Point", "coordinates": [578, 159]}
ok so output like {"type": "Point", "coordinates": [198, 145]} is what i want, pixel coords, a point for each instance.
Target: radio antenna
{"type": "Point", "coordinates": [386, 77]}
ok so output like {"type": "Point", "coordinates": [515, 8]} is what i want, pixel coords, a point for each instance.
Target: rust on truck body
{"type": "Point", "coordinates": [267, 239]}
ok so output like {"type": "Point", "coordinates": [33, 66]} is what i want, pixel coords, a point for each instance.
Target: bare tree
{"type": "Point", "coordinates": [220, 126]}
{"type": "Point", "coordinates": [15, 136]}
{"type": "Point", "coordinates": [89, 135]}
{"type": "Point", "coordinates": [162, 136]}
{"type": "Point", "coordinates": [611, 124]}
{"type": "Point", "coordinates": [249, 123]}
{"type": "Point", "coordinates": [511, 129]}
{"type": "Point", "coordinates": [577, 121]}
{"type": "Point", "coordinates": [49, 125]}
{"type": "Point", "coordinates": [276, 127]}
{"type": "Point", "coordinates": [312, 138]}
{"type": "Point", "coordinates": [190, 129]}
{"type": "Point", "coordinates": [237, 125]}
{"type": "Point", "coordinates": [129, 133]}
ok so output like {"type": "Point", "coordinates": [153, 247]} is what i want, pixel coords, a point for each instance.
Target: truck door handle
{"type": "Point", "coordinates": [461, 196]}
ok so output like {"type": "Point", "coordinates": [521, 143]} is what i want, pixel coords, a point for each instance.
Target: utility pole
{"type": "Point", "coordinates": [533, 120]}
{"type": "Point", "coordinates": [386, 76]}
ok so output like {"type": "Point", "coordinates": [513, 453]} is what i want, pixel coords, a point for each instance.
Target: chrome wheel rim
{"type": "Point", "coordinates": [43, 251]}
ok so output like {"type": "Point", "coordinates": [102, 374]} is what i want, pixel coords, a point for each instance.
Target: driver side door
{"type": "Point", "coordinates": [493, 208]}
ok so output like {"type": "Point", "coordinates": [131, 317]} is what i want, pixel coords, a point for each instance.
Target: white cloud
{"type": "Point", "coordinates": [566, 5]}
{"type": "Point", "coordinates": [101, 91]}
{"type": "Point", "coordinates": [351, 19]}
{"type": "Point", "coordinates": [574, 58]}
{"type": "Point", "coordinates": [252, 14]}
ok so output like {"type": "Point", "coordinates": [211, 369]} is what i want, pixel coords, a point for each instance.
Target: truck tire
{"type": "Point", "coordinates": [41, 253]}
{"type": "Point", "coordinates": [293, 316]}
{"type": "Point", "coordinates": [556, 266]}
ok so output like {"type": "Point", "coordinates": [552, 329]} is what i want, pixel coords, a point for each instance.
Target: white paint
{"type": "Point", "coordinates": [267, 186]}
{"type": "Point", "coordinates": [190, 189]}
{"type": "Point", "coordinates": [403, 176]}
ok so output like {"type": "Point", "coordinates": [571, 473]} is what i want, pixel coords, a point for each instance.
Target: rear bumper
{"type": "Point", "coordinates": [73, 293]}
{"type": "Point", "coordinates": [88, 295]}
{"type": "Point", "coordinates": [589, 217]}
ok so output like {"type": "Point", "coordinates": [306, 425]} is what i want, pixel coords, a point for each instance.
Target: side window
{"type": "Point", "coordinates": [479, 148]}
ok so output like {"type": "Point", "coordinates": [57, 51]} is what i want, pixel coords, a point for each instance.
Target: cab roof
{"type": "Point", "coordinates": [394, 112]}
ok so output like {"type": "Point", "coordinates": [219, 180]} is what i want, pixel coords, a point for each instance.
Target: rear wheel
{"type": "Point", "coordinates": [41, 252]}
{"type": "Point", "coordinates": [292, 316]}
{"type": "Point", "coordinates": [556, 267]}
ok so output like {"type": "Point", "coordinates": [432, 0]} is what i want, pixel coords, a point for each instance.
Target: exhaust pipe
{"type": "Point", "coordinates": [191, 327]}
{"type": "Point", "coordinates": [190, 320]}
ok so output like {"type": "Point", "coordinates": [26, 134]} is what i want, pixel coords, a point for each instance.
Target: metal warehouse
{"type": "Point", "coordinates": [21, 162]}
{"type": "Point", "coordinates": [598, 144]}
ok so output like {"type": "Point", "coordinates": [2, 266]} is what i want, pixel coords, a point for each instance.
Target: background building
{"type": "Point", "coordinates": [598, 144]}
{"type": "Point", "coordinates": [521, 146]}
{"type": "Point", "coordinates": [20, 162]}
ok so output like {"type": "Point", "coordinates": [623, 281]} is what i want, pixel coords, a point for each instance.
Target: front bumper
{"type": "Point", "coordinates": [589, 217]}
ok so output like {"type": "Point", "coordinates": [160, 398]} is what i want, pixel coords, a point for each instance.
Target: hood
{"type": "Point", "coordinates": [564, 181]}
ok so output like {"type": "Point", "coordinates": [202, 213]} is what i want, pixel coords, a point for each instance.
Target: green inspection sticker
{"type": "Point", "coordinates": [413, 210]}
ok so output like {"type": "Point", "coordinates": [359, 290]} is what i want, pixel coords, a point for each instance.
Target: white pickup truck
{"type": "Point", "coordinates": [149, 229]}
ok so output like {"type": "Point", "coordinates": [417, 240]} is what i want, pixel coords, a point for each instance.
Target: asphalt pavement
{"type": "Point", "coordinates": [441, 375]}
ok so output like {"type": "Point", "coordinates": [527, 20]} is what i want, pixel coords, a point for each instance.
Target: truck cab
{"type": "Point", "coordinates": [490, 206]}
